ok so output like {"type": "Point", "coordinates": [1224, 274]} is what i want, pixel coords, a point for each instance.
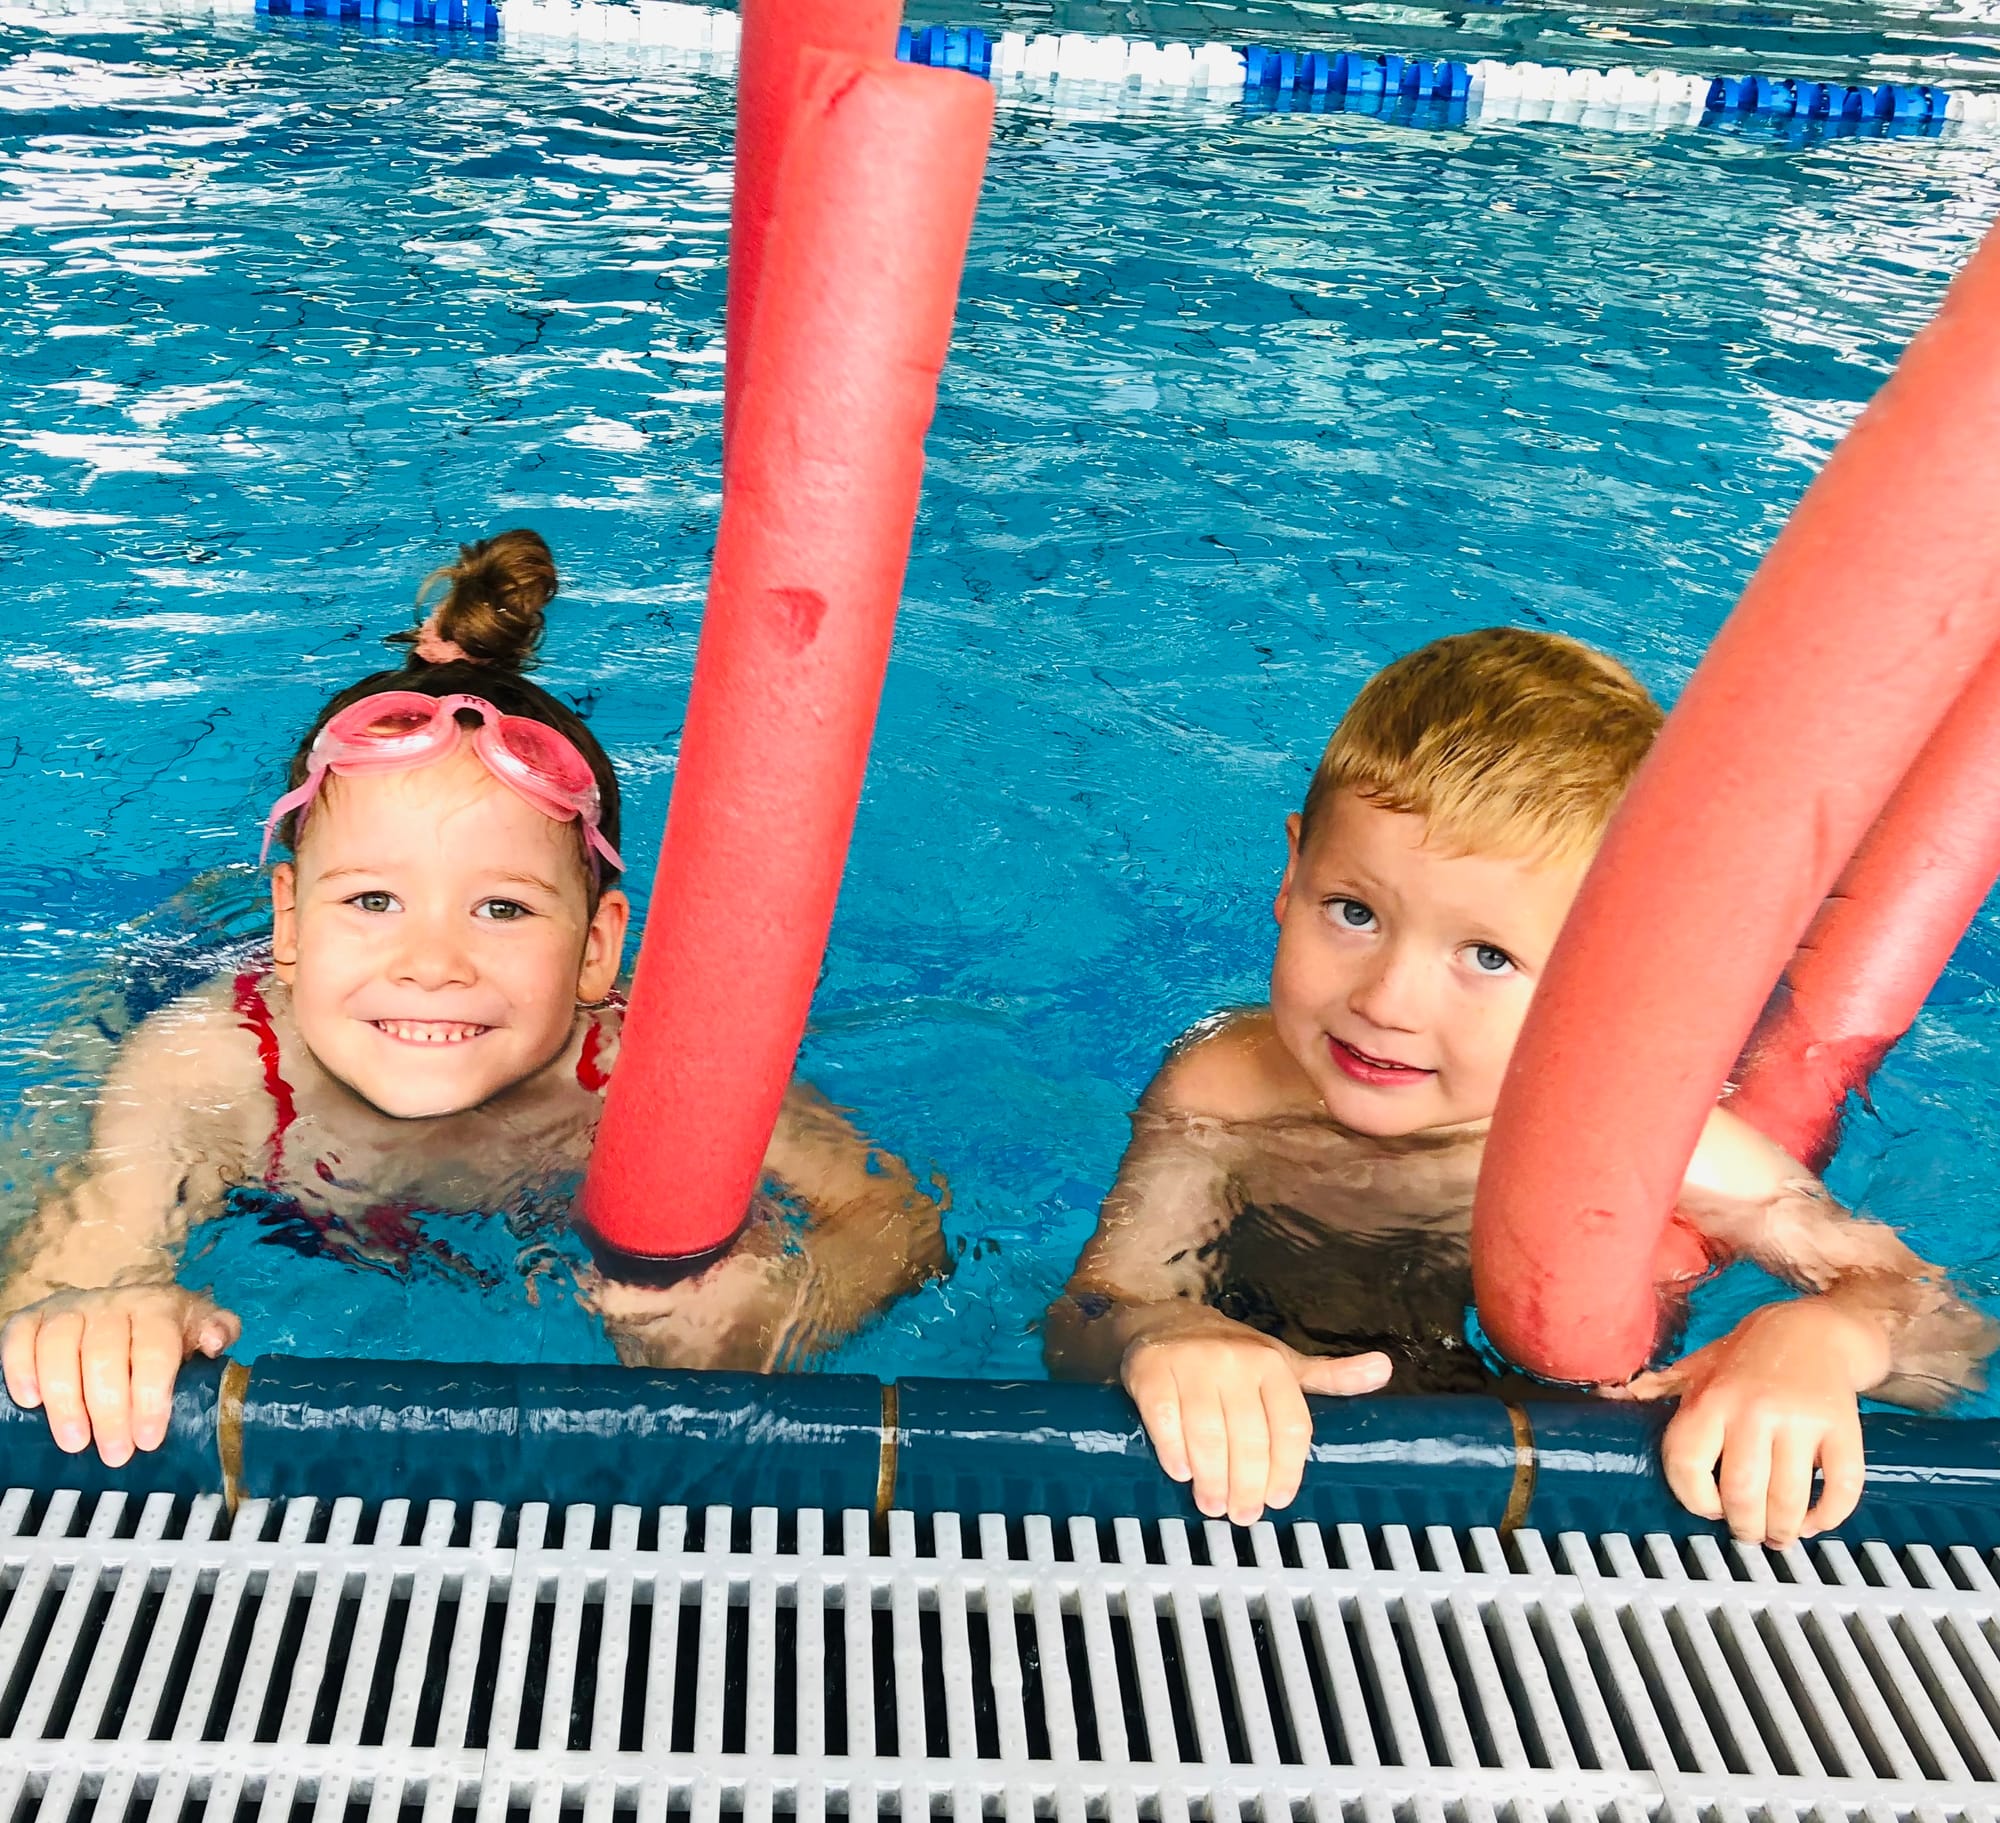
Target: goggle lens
{"type": "Point", "coordinates": [545, 752]}
{"type": "Point", "coordinates": [399, 722]}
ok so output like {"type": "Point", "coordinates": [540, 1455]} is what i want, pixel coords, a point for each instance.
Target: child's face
{"type": "Point", "coordinates": [436, 934]}
{"type": "Point", "coordinates": [1404, 971]}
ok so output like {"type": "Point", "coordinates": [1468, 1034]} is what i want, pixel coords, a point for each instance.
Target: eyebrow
{"type": "Point", "coordinates": [503, 879]}
{"type": "Point", "coordinates": [345, 873]}
{"type": "Point", "coordinates": [547, 886]}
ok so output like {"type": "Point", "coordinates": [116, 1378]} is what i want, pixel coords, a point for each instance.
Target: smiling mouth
{"type": "Point", "coordinates": [1366, 1068]}
{"type": "Point", "coordinates": [428, 1031]}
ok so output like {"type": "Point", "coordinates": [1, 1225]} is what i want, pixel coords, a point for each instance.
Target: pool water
{"type": "Point", "coordinates": [1239, 407]}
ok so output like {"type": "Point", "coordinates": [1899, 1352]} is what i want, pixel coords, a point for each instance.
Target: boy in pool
{"type": "Point", "coordinates": [1293, 1212]}
{"type": "Point", "coordinates": [435, 1030]}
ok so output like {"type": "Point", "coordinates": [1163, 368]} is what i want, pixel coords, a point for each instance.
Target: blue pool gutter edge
{"type": "Point", "coordinates": [282, 1427]}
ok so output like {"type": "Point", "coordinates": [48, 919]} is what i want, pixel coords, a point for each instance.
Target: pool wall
{"type": "Point", "coordinates": [282, 1427]}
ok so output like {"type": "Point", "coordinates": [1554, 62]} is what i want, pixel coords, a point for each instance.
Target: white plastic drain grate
{"type": "Point", "coordinates": [306, 1660]}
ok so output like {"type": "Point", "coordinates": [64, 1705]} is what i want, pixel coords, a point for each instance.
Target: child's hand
{"type": "Point", "coordinates": [1225, 1408]}
{"type": "Point", "coordinates": [1772, 1400]}
{"type": "Point", "coordinates": [102, 1363]}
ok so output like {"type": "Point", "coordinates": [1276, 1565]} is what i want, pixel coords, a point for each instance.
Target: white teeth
{"type": "Point", "coordinates": [1380, 1063]}
{"type": "Point", "coordinates": [428, 1032]}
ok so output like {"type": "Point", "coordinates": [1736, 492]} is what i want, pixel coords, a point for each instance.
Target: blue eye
{"type": "Point", "coordinates": [1350, 914]}
{"type": "Point", "coordinates": [1489, 960]}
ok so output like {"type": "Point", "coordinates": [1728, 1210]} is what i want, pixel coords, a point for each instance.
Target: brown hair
{"type": "Point", "coordinates": [1505, 741]}
{"type": "Point", "coordinates": [493, 612]}
{"type": "Point", "coordinates": [494, 599]}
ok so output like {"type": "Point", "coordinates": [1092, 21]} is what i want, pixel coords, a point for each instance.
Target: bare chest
{"type": "Point", "coordinates": [1328, 1181]}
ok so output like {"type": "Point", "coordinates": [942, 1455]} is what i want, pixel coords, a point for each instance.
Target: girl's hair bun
{"type": "Point", "coordinates": [492, 610]}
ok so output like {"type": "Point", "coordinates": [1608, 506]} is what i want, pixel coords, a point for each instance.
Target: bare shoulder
{"type": "Point", "coordinates": [1230, 1067]}
{"type": "Point", "coordinates": [197, 1042]}
{"type": "Point", "coordinates": [183, 1102]}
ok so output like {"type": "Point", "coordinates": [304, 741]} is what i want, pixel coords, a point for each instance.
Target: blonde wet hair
{"type": "Point", "coordinates": [1504, 741]}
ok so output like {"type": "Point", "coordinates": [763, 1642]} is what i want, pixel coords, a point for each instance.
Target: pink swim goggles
{"type": "Point", "coordinates": [397, 729]}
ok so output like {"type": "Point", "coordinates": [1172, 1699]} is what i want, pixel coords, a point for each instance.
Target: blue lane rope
{"type": "Point", "coordinates": [1280, 80]}
{"type": "Point", "coordinates": [1275, 79]}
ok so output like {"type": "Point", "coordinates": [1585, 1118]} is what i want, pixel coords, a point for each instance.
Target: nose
{"type": "Point", "coordinates": [1390, 994]}
{"type": "Point", "coordinates": [430, 954]}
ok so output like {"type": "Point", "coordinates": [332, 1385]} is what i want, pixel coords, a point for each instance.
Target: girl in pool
{"type": "Point", "coordinates": [434, 1030]}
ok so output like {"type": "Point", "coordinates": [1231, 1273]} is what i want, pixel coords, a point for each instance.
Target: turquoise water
{"type": "Point", "coordinates": [1238, 409]}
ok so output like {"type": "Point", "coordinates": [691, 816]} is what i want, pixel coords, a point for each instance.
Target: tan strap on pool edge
{"type": "Point", "coordinates": [229, 1430]}
{"type": "Point", "coordinates": [885, 1475]}
{"type": "Point", "coordinates": [1523, 1494]}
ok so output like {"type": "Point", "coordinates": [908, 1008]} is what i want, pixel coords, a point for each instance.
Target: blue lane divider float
{"type": "Point", "coordinates": [947, 47]}
{"type": "Point", "coordinates": [1313, 73]}
{"type": "Point", "coordinates": [480, 17]}
{"type": "Point", "coordinates": [1258, 77]}
{"type": "Point", "coordinates": [1831, 101]}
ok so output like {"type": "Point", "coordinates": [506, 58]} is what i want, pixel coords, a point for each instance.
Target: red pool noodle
{"type": "Point", "coordinates": [868, 238]}
{"type": "Point", "coordinates": [776, 34]}
{"type": "Point", "coordinates": [1871, 611]}
{"type": "Point", "coordinates": [1884, 934]}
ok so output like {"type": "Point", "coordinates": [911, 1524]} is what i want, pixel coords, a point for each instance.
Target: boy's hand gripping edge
{"type": "Point", "coordinates": [1225, 1409]}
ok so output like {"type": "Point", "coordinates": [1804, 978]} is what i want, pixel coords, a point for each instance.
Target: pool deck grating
{"type": "Point", "coordinates": [326, 1660]}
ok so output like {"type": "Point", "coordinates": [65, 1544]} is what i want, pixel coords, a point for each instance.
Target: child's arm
{"type": "Point", "coordinates": [870, 1236]}
{"type": "Point", "coordinates": [98, 1327]}
{"type": "Point", "coordinates": [1778, 1395]}
{"type": "Point", "coordinates": [1223, 1404]}
{"type": "Point", "coordinates": [1144, 1275]}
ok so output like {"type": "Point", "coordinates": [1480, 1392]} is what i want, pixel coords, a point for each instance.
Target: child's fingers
{"type": "Point", "coordinates": [1343, 1375]}
{"type": "Point", "coordinates": [1793, 1451]}
{"type": "Point", "coordinates": [214, 1330]}
{"type": "Point", "coordinates": [158, 1348]}
{"type": "Point", "coordinates": [1660, 1383]}
{"type": "Point", "coordinates": [107, 1384]}
{"type": "Point", "coordinates": [1249, 1450]}
{"type": "Point", "coordinates": [1746, 1480]}
{"type": "Point", "coordinates": [1160, 1413]}
{"type": "Point", "coordinates": [17, 1359]}
{"type": "Point", "coordinates": [59, 1373]}
{"type": "Point", "coordinates": [1207, 1436]}
{"type": "Point", "coordinates": [1688, 1456]}
{"type": "Point", "coordinates": [1843, 1473]}
{"type": "Point", "coordinates": [1291, 1429]}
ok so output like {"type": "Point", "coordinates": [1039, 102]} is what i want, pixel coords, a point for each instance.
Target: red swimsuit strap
{"type": "Point", "coordinates": [589, 1072]}
{"type": "Point", "coordinates": [592, 1074]}
{"type": "Point", "coordinates": [256, 1018]}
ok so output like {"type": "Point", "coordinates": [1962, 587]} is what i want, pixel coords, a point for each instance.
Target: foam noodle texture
{"type": "Point", "coordinates": [820, 485]}
{"type": "Point", "coordinates": [1884, 934]}
{"type": "Point", "coordinates": [776, 36]}
{"type": "Point", "coordinates": [1814, 701]}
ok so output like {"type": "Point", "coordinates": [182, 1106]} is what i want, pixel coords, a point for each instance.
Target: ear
{"type": "Point", "coordinates": [604, 946]}
{"type": "Point", "coordinates": [284, 921]}
{"type": "Point", "coordinates": [1292, 827]}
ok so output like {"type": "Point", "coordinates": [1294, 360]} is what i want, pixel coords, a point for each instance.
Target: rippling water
{"type": "Point", "coordinates": [1238, 408]}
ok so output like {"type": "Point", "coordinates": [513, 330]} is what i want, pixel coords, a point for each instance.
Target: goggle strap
{"type": "Point", "coordinates": [292, 800]}
{"type": "Point", "coordinates": [595, 837]}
